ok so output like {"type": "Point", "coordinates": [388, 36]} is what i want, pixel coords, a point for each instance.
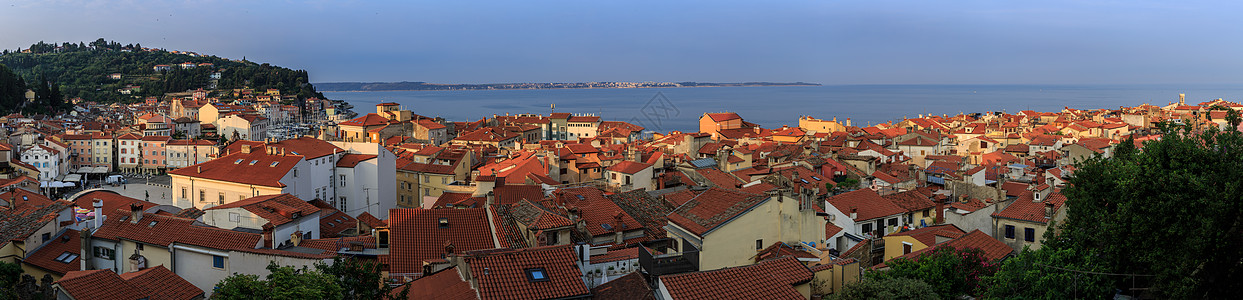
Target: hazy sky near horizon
{"type": "Point", "coordinates": [825, 41]}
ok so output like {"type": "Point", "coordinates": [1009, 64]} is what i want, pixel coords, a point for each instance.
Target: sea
{"type": "Point", "coordinates": [670, 109]}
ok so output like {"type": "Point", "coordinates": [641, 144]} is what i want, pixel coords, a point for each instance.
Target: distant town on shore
{"type": "Point", "coordinates": [424, 86]}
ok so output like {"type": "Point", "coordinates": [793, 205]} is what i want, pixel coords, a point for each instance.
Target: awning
{"type": "Point", "coordinates": [73, 178]}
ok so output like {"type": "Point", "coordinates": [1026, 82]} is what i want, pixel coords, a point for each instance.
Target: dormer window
{"type": "Point", "coordinates": [443, 223]}
{"type": "Point", "coordinates": [238, 161]}
{"type": "Point", "coordinates": [536, 275]}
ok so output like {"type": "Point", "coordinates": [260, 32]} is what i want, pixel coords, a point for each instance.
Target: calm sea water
{"type": "Point", "coordinates": [668, 109]}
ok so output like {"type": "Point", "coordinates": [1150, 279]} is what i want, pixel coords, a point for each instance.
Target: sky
{"type": "Point", "coordinates": [824, 41]}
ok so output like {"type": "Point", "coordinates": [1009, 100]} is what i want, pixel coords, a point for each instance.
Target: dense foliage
{"type": "Point", "coordinates": [282, 283]}
{"type": "Point", "coordinates": [14, 284]}
{"type": "Point", "coordinates": [950, 272]}
{"type": "Point", "coordinates": [12, 90]}
{"type": "Point", "coordinates": [344, 278]}
{"type": "Point", "coordinates": [82, 71]}
{"type": "Point", "coordinates": [887, 288]}
{"type": "Point", "coordinates": [1167, 218]}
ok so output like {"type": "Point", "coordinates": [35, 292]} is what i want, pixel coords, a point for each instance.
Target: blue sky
{"type": "Point", "coordinates": [825, 41]}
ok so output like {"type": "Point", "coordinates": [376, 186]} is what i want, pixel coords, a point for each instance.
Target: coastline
{"type": "Point", "coordinates": [569, 88]}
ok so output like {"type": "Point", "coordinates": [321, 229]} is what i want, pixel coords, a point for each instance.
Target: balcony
{"type": "Point", "coordinates": [657, 264]}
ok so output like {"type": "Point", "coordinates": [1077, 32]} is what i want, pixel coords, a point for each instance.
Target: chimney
{"type": "Point", "coordinates": [940, 219]}
{"type": "Point", "coordinates": [99, 214]}
{"type": "Point", "coordinates": [1048, 210]}
{"type": "Point", "coordinates": [500, 182]}
{"type": "Point", "coordinates": [491, 199]}
{"type": "Point", "coordinates": [85, 243]}
{"type": "Point", "coordinates": [854, 213]}
{"type": "Point", "coordinates": [847, 122]}
{"type": "Point", "coordinates": [135, 211]}
{"type": "Point", "coordinates": [245, 148]}
{"type": "Point", "coordinates": [198, 169]}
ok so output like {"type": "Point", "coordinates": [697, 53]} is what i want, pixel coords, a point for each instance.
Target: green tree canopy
{"type": "Point", "coordinates": [887, 288]}
{"type": "Point", "coordinates": [950, 272]}
{"type": "Point", "coordinates": [1172, 210]}
{"type": "Point", "coordinates": [282, 283]}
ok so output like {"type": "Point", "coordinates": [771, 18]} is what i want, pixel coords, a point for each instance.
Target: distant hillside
{"type": "Point", "coordinates": [85, 71]}
{"type": "Point", "coordinates": [423, 86]}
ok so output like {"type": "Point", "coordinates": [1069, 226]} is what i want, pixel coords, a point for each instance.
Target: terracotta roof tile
{"type": "Point", "coordinates": [774, 279]}
{"type": "Point", "coordinates": [629, 167]}
{"type": "Point", "coordinates": [928, 235]}
{"type": "Point", "coordinates": [161, 283]}
{"type": "Point", "coordinates": [277, 209]}
{"type": "Point", "coordinates": [1025, 208]}
{"type": "Point", "coordinates": [632, 286]}
{"type": "Point", "coordinates": [98, 284]}
{"type": "Point", "coordinates": [444, 285]}
{"type": "Point", "coordinates": [507, 273]}
{"type": "Point", "coordinates": [45, 256]}
{"type": "Point", "coordinates": [868, 203]}
{"type": "Point", "coordinates": [601, 215]}
{"type": "Point", "coordinates": [267, 170]}
{"type": "Point", "coordinates": [993, 249]}
{"type": "Point", "coordinates": [712, 208]}
{"type": "Point", "coordinates": [351, 160]}
{"type": "Point", "coordinates": [417, 235]}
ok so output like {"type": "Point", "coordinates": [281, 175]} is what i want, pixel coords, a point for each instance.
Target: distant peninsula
{"type": "Point", "coordinates": [424, 86]}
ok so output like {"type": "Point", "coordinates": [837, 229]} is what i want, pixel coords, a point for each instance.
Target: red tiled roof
{"type": "Point", "coordinates": [237, 168]}
{"type": "Point", "coordinates": [112, 202]}
{"type": "Point", "coordinates": [429, 168]}
{"type": "Point", "coordinates": [371, 119]}
{"type": "Point", "coordinates": [98, 284]}
{"type": "Point", "coordinates": [912, 201]}
{"type": "Point", "coordinates": [370, 220]}
{"type": "Point", "coordinates": [711, 208]}
{"type": "Point", "coordinates": [719, 178]}
{"type": "Point", "coordinates": [161, 283]}
{"type": "Point", "coordinates": [868, 203]}
{"type": "Point", "coordinates": [417, 235]}
{"type": "Point", "coordinates": [629, 167]}
{"type": "Point", "coordinates": [632, 286]}
{"type": "Point", "coordinates": [45, 256]}
{"type": "Point", "coordinates": [461, 200]}
{"type": "Point", "coordinates": [1025, 208]}
{"type": "Point", "coordinates": [993, 249]}
{"type": "Point", "coordinates": [616, 255]}
{"type": "Point", "coordinates": [308, 147]}
{"type": "Point", "coordinates": [721, 117]}
{"type": "Point", "coordinates": [161, 230]}
{"type": "Point", "coordinates": [507, 273]}
{"type": "Point", "coordinates": [928, 235]}
{"type": "Point", "coordinates": [351, 160]}
{"type": "Point", "coordinates": [583, 119]}
{"type": "Point", "coordinates": [774, 279]}
{"type": "Point", "coordinates": [277, 209]}
{"type": "Point", "coordinates": [601, 215]}
{"type": "Point", "coordinates": [444, 285]}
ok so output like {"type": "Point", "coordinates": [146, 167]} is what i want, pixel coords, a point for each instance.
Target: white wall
{"type": "Point", "coordinates": [371, 186]}
{"type": "Point", "coordinates": [194, 264]}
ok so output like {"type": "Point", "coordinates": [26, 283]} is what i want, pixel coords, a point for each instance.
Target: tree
{"type": "Point", "coordinates": [358, 279]}
{"type": "Point", "coordinates": [887, 288]}
{"type": "Point", "coordinates": [1033, 275]}
{"type": "Point", "coordinates": [950, 272]}
{"type": "Point", "coordinates": [282, 283]}
{"type": "Point", "coordinates": [1172, 211]}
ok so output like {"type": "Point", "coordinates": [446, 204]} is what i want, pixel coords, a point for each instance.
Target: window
{"type": "Point", "coordinates": [1010, 231]}
{"type": "Point", "coordinates": [342, 179]}
{"type": "Point", "coordinates": [67, 257]}
{"type": "Point", "coordinates": [105, 253]}
{"type": "Point", "coordinates": [759, 244]}
{"type": "Point", "coordinates": [240, 197]}
{"type": "Point", "coordinates": [1029, 234]}
{"type": "Point", "coordinates": [202, 195]}
{"type": "Point", "coordinates": [217, 261]}
{"type": "Point", "coordinates": [906, 247]}
{"type": "Point", "coordinates": [893, 222]}
{"type": "Point", "coordinates": [925, 213]}
{"type": "Point", "coordinates": [221, 196]}
{"type": "Point", "coordinates": [47, 236]}
{"type": "Point", "coordinates": [867, 228]}
{"type": "Point", "coordinates": [426, 179]}
{"type": "Point", "coordinates": [537, 274]}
